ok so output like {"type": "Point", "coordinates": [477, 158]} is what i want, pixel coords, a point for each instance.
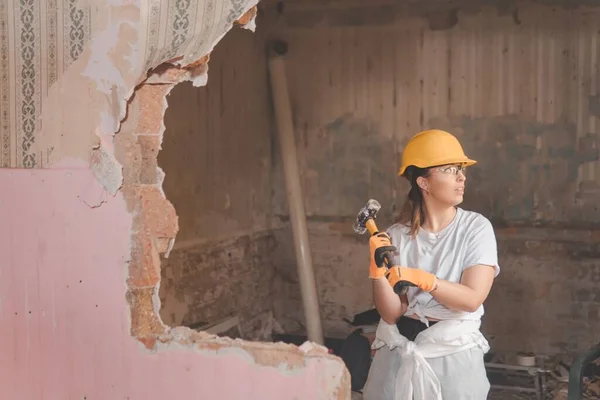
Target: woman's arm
{"type": "Point", "coordinates": [470, 293]}
{"type": "Point", "coordinates": [476, 280]}
{"type": "Point", "coordinates": [389, 305]}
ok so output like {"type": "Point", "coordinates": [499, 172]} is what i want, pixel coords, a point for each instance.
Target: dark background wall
{"type": "Point", "coordinates": [217, 159]}
{"type": "Point", "coordinates": [518, 85]}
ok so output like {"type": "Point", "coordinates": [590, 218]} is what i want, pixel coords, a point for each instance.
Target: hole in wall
{"type": "Point", "coordinates": [215, 154]}
{"type": "Point", "coordinates": [155, 223]}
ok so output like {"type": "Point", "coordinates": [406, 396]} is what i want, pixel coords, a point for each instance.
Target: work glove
{"type": "Point", "coordinates": [379, 244]}
{"type": "Point", "coordinates": [411, 277]}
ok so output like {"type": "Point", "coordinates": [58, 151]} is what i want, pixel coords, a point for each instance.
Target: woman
{"type": "Point", "coordinates": [428, 342]}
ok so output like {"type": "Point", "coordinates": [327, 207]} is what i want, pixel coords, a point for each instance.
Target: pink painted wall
{"type": "Point", "coordinates": [64, 319]}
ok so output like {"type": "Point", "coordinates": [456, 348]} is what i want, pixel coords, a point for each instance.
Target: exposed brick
{"type": "Point", "coordinates": [149, 342]}
{"type": "Point", "coordinates": [167, 75]}
{"type": "Point", "coordinates": [144, 267]}
{"type": "Point", "coordinates": [150, 103]}
{"type": "Point", "coordinates": [131, 195]}
{"type": "Point", "coordinates": [144, 320]}
{"type": "Point", "coordinates": [149, 147]}
{"type": "Point", "coordinates": [128, 153]}
{"type": "Point", "coordinates": [152, 214]}
{"type": "Point", "coordinates": [157, 215]}
{"type": "Point", "coordinates": [201, 61]}
{"type": "Point", "coordinates": [138, 155]}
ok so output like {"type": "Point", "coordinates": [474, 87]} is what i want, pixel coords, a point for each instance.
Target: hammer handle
{"type": "Point", "coordinates": [388, 256]}
{"type": "Point", "coordinates": [371, 226]}
{"type": "Point", "coordinates": [401, 287]}
{"type": "Point", "coordinates": [389, 259]}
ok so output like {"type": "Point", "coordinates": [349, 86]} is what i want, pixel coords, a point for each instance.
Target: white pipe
{"type": "Point", "coordinates": [285, 129]}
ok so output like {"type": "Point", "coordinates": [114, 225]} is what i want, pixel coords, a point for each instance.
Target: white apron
{"type": "Point", "coordinates": [446, 358]}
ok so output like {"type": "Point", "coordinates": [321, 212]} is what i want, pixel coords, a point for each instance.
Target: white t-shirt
{"type": "Point", "coordinates": [467, 241]}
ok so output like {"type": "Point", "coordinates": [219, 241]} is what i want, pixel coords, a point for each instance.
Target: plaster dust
{"type": "Point", "coordinates": [283, 356]}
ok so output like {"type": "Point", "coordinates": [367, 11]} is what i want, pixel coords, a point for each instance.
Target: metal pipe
{"type": "Point", "coordinates": [287, 144]}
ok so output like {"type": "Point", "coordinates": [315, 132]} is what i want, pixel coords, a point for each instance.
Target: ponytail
{"type": "Point", "coordinates": [413, 211]}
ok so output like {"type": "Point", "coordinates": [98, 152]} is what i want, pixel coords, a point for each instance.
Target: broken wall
{"type": "Point", "coordinates": [518, 85]}
{"type": "Point", "coordinates": [217, 158]}
{"type": "Point", "coordinates": [83, 86]}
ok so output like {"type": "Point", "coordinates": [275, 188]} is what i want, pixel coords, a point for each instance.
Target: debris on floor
{"type": "Point", "coordinates": [591, 384]}
{"type": "Point", "coordinates": [228, 326]}
{"type": "Point", "coordinates": [555, 384]}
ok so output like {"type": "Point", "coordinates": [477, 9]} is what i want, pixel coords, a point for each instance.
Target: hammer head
{"type": "Point", "coordinates": [369, 211]}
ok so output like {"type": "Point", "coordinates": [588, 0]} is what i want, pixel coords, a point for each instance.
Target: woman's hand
{"type": "Point", "coordinates": [378, 245]}
{"type": "Point", "coordinates": [466, 296]}
{"type": "Point", "coordinates": [389, 305]}
{"type": "Point", "coordinates": [414, 277]}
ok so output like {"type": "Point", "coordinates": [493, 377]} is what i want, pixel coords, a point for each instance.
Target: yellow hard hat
{"type": "Point", "coordinates": [431, 148]}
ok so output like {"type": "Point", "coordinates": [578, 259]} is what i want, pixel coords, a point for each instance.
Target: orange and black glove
{"type": "Point", "coordinates": [404, 276]}
{"type": "Point", "coordinates": [380, 245]}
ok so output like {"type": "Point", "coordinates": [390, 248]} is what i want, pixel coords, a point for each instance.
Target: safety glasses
{"type": "Point", "coordinates": [451, 169]}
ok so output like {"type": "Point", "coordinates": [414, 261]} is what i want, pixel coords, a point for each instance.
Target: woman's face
{"type": "Point", "coordinates": [445, 184]}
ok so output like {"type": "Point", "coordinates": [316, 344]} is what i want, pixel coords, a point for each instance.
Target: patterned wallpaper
{"type": "Point", "coordinates": [41, 39]}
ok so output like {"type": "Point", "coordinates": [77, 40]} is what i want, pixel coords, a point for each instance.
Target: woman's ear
{"type": "Point", "coordinates": [422, 182]}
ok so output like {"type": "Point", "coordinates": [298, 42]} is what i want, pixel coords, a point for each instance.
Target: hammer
{"type": "Point", "coordinates": [365, 220]}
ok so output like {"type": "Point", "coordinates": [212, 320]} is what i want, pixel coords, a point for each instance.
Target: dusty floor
{"type": "Point", "coordinates": [494, 395]}
{"type": "Point", "coordinates": [510, 395]}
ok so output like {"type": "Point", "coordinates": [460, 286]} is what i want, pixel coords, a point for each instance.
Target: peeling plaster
{"type": "Point", "coordinates": [282, 356]}
{"type": "Point", "coordinates": [165, 105]}
{"type": "Point", "coordinates": [110, 68]}
{"type": "Point", "coordinates": [180, 368]}
{"type": "Point", "coordinates": [106, 75]}
{"type": "Point", "coordinates": [201, 78]}
{"type": "Point", "coordinates": [145, 122]}
{"type": "Point", "coordinates": [251, 26]}
{"type": "Point", "coordinates": [106, 169]}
